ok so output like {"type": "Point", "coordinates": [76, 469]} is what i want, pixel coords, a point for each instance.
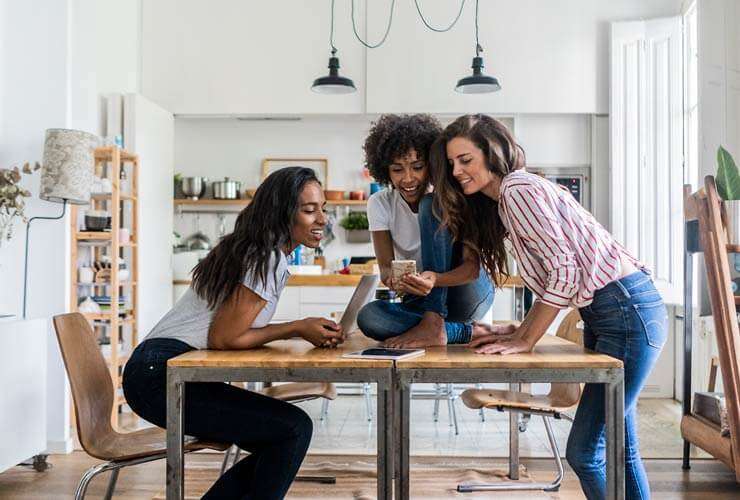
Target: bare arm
{"type": "Point", "coordinates": [383, 245]}
{"type": "Point", "coordinates": [231, 327]}
{"type": "Point", "coordinates": [422, 284]}
{"type": "Point", "coordinates": [464, 273]}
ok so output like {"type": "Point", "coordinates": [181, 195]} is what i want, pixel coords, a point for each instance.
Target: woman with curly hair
{"type": "Point", "coordinates": [568, 260]}
{"type": "Point", "coordinates": [441, 303]}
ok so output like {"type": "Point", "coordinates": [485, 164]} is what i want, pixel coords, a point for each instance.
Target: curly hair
{"type": "Point", "coordinates": [474, 220]}
{"type": "Point", "coordinates": [393, 136]}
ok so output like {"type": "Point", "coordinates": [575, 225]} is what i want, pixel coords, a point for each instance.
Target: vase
{"type": "Point", "coordinates": [358, 236]}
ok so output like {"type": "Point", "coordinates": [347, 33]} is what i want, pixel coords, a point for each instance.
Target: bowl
{"type": "Point", "coordinates": [333, 194]}
{"type": "Point", "coordinates": [249, 193]}
{"type": "Point", "coordinates": [96, 222]}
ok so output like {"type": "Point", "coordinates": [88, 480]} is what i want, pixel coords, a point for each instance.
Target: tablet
{"type": "Point", "coordinates": [384, 353]}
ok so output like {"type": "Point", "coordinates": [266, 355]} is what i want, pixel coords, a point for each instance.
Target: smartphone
{"type": "Point", "coordinates": [401, 267]}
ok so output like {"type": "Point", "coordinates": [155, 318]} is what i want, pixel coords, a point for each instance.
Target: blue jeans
{"type": "Point", "coordinates": [459, 305]}
{"type": "Point", "coordinates": [626, 320]}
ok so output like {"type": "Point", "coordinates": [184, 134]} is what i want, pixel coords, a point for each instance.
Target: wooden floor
{"type": "Point", "coordinates": [708, 480]}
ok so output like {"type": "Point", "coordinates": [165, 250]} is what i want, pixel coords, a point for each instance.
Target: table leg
{"type": "Point", "coordinates": [175, 437]}
{"type": "Point", "coordinates": [514, 438]}
{"type": "Point", "coordinates": [403, 484]}
{"type": "Point", "coordinates": [384, 424]}
{"type": "Point", "coordinates": [615, 439]}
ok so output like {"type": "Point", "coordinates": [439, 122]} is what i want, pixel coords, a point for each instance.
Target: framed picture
{"type": "Point", "coordinates": [319, 165]}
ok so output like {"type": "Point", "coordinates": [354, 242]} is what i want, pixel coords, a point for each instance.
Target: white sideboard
{"type": "Point", "coordinates": [23, 397]}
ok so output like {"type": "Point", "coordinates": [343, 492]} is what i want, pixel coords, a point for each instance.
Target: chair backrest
{"type": "Point", "coordinates": [712, 230]}
{"type": "Point", "coordinates": [89, 378]}
{"type": "Point", "coordinates": [568, 393]}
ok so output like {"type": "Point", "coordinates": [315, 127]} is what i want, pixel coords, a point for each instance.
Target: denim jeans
{"type": "Point", "coordinates": [626, 320]}
{"type": "Point", "coordinates": [459, 305]}
{"type": "Point", "coordinates": [275, 433]}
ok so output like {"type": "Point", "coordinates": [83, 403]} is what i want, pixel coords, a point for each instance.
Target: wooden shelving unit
{"type": "Point", "coordinates": [119, 323]}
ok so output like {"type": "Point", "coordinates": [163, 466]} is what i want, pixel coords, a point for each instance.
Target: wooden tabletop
{"type": "Point", "coordinates": [293, 353]}
{"type": "Point", "coordinates": [550, 352]}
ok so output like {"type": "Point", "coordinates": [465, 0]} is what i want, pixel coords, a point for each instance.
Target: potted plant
{"type": "Point", "coordinates": [356, 225]}
{"type": "Point", "coordinates": [12, 197]}
{"type": "Point", "coordinates": [728, 188]}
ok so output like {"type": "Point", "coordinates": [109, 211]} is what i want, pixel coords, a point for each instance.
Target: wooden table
{"type": "Point", "coordinates": [279, 361]}
{"type": "Point", "coordinates": [553, 360]}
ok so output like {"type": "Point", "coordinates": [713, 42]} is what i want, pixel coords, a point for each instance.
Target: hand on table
{"type": "Point", "coordinates": [498, 339]}
{"type": "Point", "coordinates": [418, 284]}
{"type": "Point", "coordinates": [321, 332]}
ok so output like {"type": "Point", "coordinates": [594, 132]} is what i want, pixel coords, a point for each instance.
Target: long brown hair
{"type": "Point", "coordinates": [474, 220]}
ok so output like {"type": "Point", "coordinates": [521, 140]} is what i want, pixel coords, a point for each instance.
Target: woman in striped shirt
{"type": "Point", "coordinates": [568, 260]}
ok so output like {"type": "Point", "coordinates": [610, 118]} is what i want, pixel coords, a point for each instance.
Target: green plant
{"type": "Point", "coordinates": [354, 221]}
{"type": "Point", "coordinates": [12, 197]}
{"type": "Point", "coordinates": [728, 177]}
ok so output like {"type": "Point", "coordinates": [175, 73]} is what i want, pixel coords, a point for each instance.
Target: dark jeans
{"type": "Point", "coordinates": [275, 433]}
{"type": "Point", "coordinates": [626, 320]}
{"type": "Point", "coordinates": [459, 305]}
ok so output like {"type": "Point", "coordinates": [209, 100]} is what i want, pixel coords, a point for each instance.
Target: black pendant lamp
{"type": "Point", "coordinates": [478, 83]}
{"type": "Point", "coordinates": [333, 83]}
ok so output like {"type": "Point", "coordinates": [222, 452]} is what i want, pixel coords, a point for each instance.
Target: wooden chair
{"type": "Point", "coordinates": [706, 207]}
{"type": "Point", "coordinates": [562, 397]}
{"type": "Point", "coordinates": [92, 392]}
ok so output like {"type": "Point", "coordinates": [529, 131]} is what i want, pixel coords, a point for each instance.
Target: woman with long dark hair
{"type": "Point", "coordinates": [229, 306]}
{"type": "Point", "coordinates": [568, 260]}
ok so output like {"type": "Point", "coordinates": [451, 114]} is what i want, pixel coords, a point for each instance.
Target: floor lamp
{"type": "Point", "coordinates": [66, 177]}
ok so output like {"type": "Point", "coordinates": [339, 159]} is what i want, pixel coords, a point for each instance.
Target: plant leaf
{"type": "Point", "coordinates": [26, 168]}
{"type": "Point", "coordinates": [728, 177]}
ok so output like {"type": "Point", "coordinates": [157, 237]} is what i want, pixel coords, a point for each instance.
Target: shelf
{"type": "Point", "coordinates": [107, 316]}
{"type": "Point", "coordinates": [93, 235]}
{"type": "Point", "coordinates": [108, 196]}
{"type": "Point", "coordinates": [107, 283]}
{"type": "Point", "coordinates": [244, 203]}
{"type": "Point", "coordinates": [106, 154]}
{"type": "Point", "coordinates": [733, 248]}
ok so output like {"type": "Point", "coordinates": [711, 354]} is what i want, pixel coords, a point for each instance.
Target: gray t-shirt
{"type": "Point", "coordinates": [190, 318]}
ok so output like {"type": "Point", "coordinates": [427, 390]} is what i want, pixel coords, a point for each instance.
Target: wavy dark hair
{"type": "Point", "coordinates": [393, 136]}
{"type": "Point", "coordinates": [474, 220]}
{"type": "Point", "coordinates": [262, 229]}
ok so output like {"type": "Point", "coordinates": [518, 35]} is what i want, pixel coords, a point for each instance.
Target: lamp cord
{"type": "Point", "coordinates": [331, 31]}
{"type": "Point", "coordinates": [25, 265]}
{"type": "Point", "coordinates": [440, 30]}
{"type": "Point", "coordinates": [478, 48]}
{"type": "Point", "coordinates": [387, 29]}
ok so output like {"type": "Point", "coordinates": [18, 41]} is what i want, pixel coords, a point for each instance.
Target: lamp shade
{"type": "Point", "coordinates": [67, 170]}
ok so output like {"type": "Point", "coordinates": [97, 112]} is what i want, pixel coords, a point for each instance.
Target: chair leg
{"type": "Point", "coordinates": [451, 408]}
{"type": "Point", "coordinates": [89, 475]}
{"type": "Point", "coordinates": [516, 485]}
{"type": "Point", "coordinates": [111, 484]}
{"type": "Point", "coordinates": [227, 456]}
{"type": "Point", "coordinates": [368, 403]}
{"type": "Point", "coordinates": [481, 412]}
{"type": "Point", "coordinates": [324, 409]}
{"type": "Point", "coordinates": [435, 413]}
{"type": "Point", "coordinates": [237, 452]}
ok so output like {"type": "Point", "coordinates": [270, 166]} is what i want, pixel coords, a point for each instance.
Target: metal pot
{"type": "Point", "coordinates": [225, 189]}
{"type": "Point", "coordinates": [198, 241]}
{"type": "Point", "coordinates": [193, 187]}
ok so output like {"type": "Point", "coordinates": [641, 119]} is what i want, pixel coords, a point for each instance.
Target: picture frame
{"type": "Point", "coordinates": [320, 165]}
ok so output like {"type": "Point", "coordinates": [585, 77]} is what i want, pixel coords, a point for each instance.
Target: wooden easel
{"type": "Point", "coordinates": [705, 206]}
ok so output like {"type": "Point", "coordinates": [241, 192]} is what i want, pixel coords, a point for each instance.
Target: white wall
{"type": "Point", "coordinates": [51, 76]}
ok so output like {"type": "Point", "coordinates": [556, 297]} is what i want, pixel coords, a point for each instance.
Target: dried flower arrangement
{"type": "Point", "coordinates": [12, 197]}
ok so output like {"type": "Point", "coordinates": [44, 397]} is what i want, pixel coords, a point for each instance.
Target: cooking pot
{"type": "Point", "coordinates": [226, 189]}
{"type": "Point", "coordinates": [193, 187]}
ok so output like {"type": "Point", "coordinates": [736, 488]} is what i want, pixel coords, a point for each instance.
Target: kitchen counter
{"type": "Point", "coordinates": [342, 280]}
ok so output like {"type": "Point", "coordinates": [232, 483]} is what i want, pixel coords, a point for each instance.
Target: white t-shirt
{"type": "Point", "coordinates": [190, 318]}
{"type": "Point", "coordinates": [388, 211]}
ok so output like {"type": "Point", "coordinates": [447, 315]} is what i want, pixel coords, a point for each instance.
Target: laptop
{"type": "Point", "coordinates": [364, 292]}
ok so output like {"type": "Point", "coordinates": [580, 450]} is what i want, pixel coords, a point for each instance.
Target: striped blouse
{"type": "Point", "coordinates": [564, 254]}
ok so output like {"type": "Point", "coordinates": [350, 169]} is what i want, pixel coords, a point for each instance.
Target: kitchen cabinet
{"type": "Point", "coordinates": [236, 57]}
